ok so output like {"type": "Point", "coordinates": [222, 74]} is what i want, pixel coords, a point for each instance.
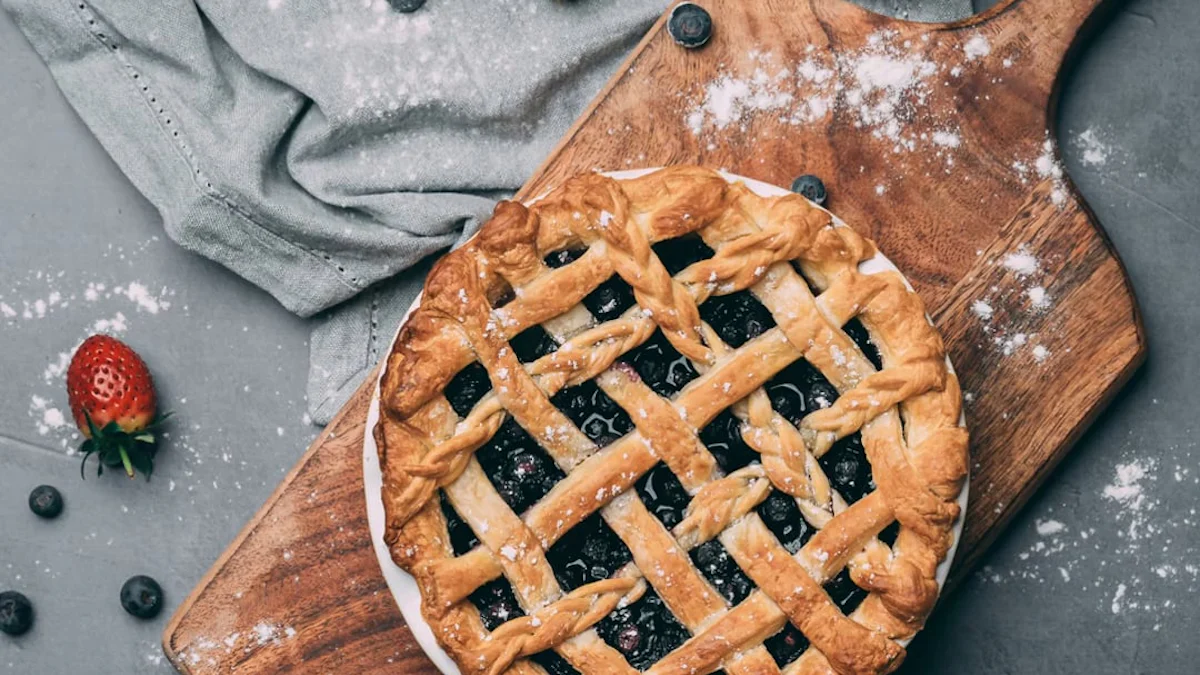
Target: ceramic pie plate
{"type": "Point", "coordinates": [404, 587]}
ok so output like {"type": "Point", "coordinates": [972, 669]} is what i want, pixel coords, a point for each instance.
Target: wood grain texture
{"type": "Point", "coordinates": [300, 590]}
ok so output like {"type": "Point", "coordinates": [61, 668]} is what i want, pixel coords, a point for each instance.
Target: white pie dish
{"type": "Point", "coordinates": [404, 588]}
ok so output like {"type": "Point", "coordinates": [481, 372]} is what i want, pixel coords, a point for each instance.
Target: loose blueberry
{"type": "Point", "coordinates": [16, 613]}
{"type": "Point", "coordinates": [690, 25]}
{"type": "Point", "coordinates": [46, 501]}
{"type": "Point", "coordinates": [406, 6]}
{"type": "Point", "coordinates": [142, 597]}
{"type": "Point", "coordinates": [810, 187]}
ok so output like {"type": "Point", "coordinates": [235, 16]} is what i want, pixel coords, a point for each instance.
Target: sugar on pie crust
{"type": "Point", "coordinates": [594, 459]}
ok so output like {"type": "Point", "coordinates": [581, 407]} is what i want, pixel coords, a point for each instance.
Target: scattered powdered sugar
{"type": "Point", "coordinates": [977, 47]}
{"type": "Point", "coordinates": [1046, 528]}
{"type": "Point", "coordinates": [46, 417]}
{"type": "Point", "coordinates": [1129, 524]}
{"type": "Point", "coordinates": [1095, 151]}
{"type": "Point", "coordinates": [1021, 261]}
{"type": "Point", "coordinates": [1009, 312]}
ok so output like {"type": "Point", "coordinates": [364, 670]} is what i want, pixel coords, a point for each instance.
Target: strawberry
{"type": "Point", "coordinates": [113, 402]}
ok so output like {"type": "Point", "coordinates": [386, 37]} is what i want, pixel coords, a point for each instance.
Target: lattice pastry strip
{"type": "Point", "coordinates": [917, 481]}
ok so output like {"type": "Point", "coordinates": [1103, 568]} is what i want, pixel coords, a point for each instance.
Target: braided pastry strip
{"type": "Point", "coordinates": [552, 625]}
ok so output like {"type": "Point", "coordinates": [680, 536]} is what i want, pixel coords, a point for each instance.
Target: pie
{"type": "Point", "coordinates": [666, 424]}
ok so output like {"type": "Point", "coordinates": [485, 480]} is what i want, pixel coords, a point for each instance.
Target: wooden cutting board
{"type": "Point", "coordinates": [932, 140]}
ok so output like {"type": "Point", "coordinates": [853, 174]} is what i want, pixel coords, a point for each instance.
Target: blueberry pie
{"type": "Point", "coordinates": [666, 424]}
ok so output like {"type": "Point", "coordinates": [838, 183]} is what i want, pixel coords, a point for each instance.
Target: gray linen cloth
{"type": "Point", "coordinates": [324, 149]}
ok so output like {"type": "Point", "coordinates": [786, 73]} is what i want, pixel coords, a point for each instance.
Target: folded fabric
{"type": "Point", "coordinates": [324, 150]}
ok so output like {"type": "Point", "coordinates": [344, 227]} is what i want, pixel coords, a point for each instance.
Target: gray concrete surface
{"type": "Point", "coordinates": [1097, 575]}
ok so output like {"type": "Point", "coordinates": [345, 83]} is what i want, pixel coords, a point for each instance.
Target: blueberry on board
{"type": "Point", "coordinates": [16, 613]}
{"type": "Point", "coordinates": [142, 597]}
{"type": "Point", "coordinates": [690, 25]}
{"type": "Point", "coordinates": [810, 187]}
{"type": "Point", "coordinates": [406, 6]}
{"type": "Point", "coordinates": [46, 501]}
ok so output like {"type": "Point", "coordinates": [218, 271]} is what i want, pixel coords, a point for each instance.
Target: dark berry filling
{"type": "Point", "coordinates": [889, 533]}
{"type": "Point", "coordinates": [644, 632]}
{"type": "Point", "coordinates": [518, 467]}
{"type": "Point", "coordinates": [681, 252]}
{"type": "Point", "coordinates": [787, 645]}
{"type": "Point", "coordinates": [610, 299]}
{"type": "Point", "coordinates": [553, 663]}
{"type": "Point", "coordinates": [496, 603]}
{"type": "Point", "coordinates": [660, 365]}
{"type": "Point", "coordinates": [565, 257]}
{"type": "Point", "coordinates": [715, 563]}
{"type": "Point", "coordinates": [532, 344]}
{"type": "Point", "coordinates": [844, 592]}
{"type": "Point", "coordinates": [466, 388]}
{"type": "Point", "coordinates": [589, 552]}
{"type": "Point", "coordinates": [862, 338]}
{"type": "Point", "coordinates": [847, 468]}
{"type": "Point", "coordinates": [664, 495]}
{"type": "Point", "coordinates": [798, 390]}
{"type": "Point", "coordinates": [737, 317]}
{"type": "Point", "coordinates": [597, 415]}
{"type": "Point", "coordinates": [782, 517]}
{"type": "Point", "coordinates": [723, 437]}
{"type": "Point", "coordinates": [462, 538]}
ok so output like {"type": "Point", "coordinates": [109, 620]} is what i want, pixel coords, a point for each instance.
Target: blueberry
{"type": "Point", "coordinates": [142, 597]}
{"type": "Point", "coordinates": [810, 187]}
{"type": "Point", "coordinates": [496, 602]}
{"type": "Point", "coordinates": [737, 317]}
{"type": "Point", "coordinates": [46, 501]}
{"type": "Point", "coordinates": [16, 613]}
{"type": "Point", "coordinates": [664, 495]}
{"type": "Point", "coordinates": [406, 6]}
{"type": "Point", "coordinates": [466, 388]}
{"type": "Point", "coordinates": [781, 515]}
{"type": "Point", "coordinates": [565, 257]}
{"type": "Point", "coordinates": [629, 638]}
{"type": "Point", "coordinates": [843, 591]}
{"type": "Point", "coordinates": [660, 366]}
{"type": "Point", "coordinates": [847, 468]}
{"type": "Point", "coordinates": [553, 663]}
{"type": "Point", "coordinates": [690, 25]}
{"type": "Point", "coordinates": [786, 645]}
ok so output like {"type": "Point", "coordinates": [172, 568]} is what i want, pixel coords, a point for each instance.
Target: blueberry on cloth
{"type": "Point", "coordinates": [142, 597]}
{"type": "Point", "coordinates": [16, 613]}
{"type": "Point", "coordinates": [690, 25]}
{"type": "Point", "coordinates": [46, 501]}
{"type": "Point", "coordinates": [810, 187]}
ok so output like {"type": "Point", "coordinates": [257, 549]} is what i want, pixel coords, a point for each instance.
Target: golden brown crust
{"type": "Point", "coordinates": [908, 415]}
